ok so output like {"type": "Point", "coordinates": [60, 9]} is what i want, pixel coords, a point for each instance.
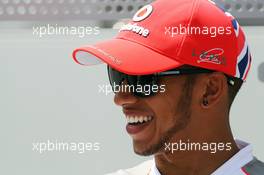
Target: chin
{"type": "Point", "coordinates": [141, 148]}
{"type": "Point", "coordinates": [145, 148]}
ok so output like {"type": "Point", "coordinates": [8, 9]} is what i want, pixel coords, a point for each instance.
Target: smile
{"type": "Point", "coordinates": [138, 119]}
{"type": "Point", "coordinates": [137, 123]}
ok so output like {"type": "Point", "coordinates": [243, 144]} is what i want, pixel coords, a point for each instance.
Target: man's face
{"type": "Point", "coordinates": [169, 112]}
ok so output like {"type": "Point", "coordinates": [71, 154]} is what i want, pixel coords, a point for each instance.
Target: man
{"type": "Point", "coordinates": [193, 58]}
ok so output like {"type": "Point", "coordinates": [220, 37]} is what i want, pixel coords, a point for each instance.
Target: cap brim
{"type": "Point", "coordinates": [125, 56]}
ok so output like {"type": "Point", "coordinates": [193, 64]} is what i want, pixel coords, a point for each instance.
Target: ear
{"type": "Point", "coordinates": [214, 87]}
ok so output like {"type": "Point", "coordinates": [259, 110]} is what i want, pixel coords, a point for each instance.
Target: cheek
{"type": "Point", "coordinates": [165, 108]}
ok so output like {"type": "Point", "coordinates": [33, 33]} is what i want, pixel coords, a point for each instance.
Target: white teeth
{"type": "Point", "coordinates": [131, 120]}
{"type": "Point", "coordinates": [137, 119]}
{"type": "Point", "coordinates": [141, 119]}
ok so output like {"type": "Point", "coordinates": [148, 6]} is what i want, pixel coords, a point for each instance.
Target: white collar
{"type": "Point", "coordinates": [231, 167]}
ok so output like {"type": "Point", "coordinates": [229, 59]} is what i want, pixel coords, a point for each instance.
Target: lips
{"type": "Point", "coordinates": [137, 123]}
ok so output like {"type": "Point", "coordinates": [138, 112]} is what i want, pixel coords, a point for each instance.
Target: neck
{"type": "Point", "coordinates": [200, 161]}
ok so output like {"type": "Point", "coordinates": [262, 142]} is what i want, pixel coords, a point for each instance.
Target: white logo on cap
{"type": "Point", "coordinates": [143, 13]}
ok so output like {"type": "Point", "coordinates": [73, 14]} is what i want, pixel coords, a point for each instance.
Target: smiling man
{"type": "Point", "coordinates": [175, 70]}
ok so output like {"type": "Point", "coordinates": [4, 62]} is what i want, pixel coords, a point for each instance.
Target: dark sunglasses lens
{"type": "Point", "coordinates": [147, 80]}
{"type": "Point", "coordinates": [143, 85]}
{"type": "Point", "coordinates": [114, 76]}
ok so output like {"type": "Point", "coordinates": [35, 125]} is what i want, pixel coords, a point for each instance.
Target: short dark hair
{"type": "Point", "coordinates": [233, 88]}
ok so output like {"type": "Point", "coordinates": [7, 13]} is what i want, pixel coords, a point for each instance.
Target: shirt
{"type": "Point", "coordinates": [232, 166]}
{"type": "Point", "coordinates": [242, 163]}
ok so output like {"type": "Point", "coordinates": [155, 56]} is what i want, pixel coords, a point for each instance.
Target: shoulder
{"type": "Point", "coordinates": [142, 168]}
{"type": "Point", "coordinates": [254, 167]}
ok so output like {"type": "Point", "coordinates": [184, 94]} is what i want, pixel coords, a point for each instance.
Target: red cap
{"type": "Point", "coordinates": [167, 34]}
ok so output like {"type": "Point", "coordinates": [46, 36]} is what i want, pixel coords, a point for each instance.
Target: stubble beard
{"type": "Point", "coordinates": [183, 105]}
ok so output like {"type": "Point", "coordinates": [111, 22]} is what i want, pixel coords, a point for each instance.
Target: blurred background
{"type": "Point", "coordinates": [46, 96]}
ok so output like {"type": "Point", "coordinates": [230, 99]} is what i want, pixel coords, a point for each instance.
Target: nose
{"type": "Point", "coordinates": [124, 97]}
